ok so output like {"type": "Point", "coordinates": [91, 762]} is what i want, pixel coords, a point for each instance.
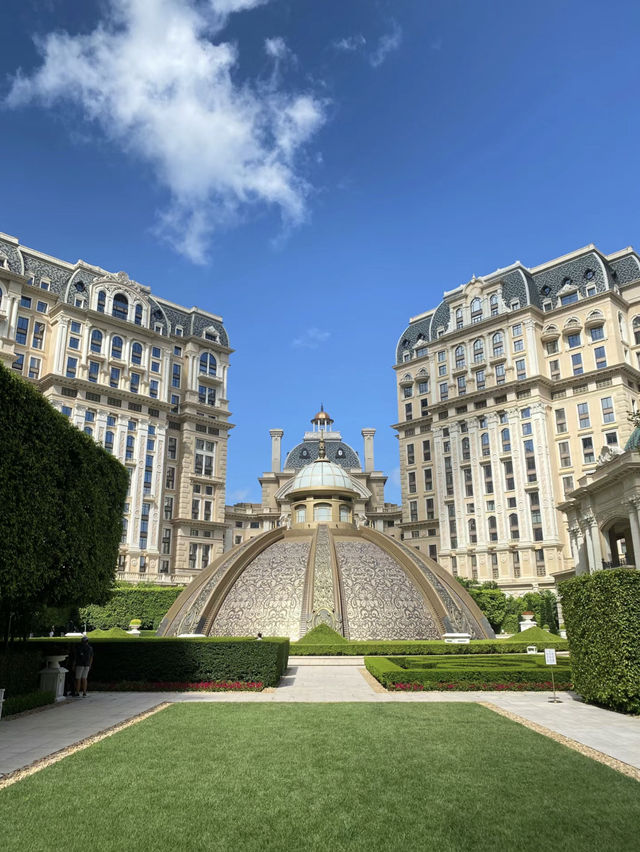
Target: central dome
{"type": "Point", "coordinates": [322, 474]}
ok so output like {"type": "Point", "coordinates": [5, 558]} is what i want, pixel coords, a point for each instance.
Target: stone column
{"type": "Point", "coordinates": [595, 543]}
{"type": "Point", "coordinates": [635, 531]}
{"type": "Point", "coordinates": [276, 442]}
{"type": "Point", "coordinates": [586, 532]}
{"type": "Point", "coordinates": [368, 434]}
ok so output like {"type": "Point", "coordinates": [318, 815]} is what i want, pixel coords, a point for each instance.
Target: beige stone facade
{"type": "Point", "coordinates": [507, 392]}
{"type": "Point", "coordinates": [147, 379]}
{"type": "Point", "coordinates": [248, 520]}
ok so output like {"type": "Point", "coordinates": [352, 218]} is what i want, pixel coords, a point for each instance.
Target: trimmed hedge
{"type": "Point", "coordinates": [21, 703]}
{"type": "Point", "coordinates": [602, 618]}
{"type": "Point", "coordinates": [62, 497]}
{"type": "Point", "coordinates": [436, 646]}
{"type": "Point", "coordinates": [146, 602]}
{"type": "Point", "coordinates": [485, 672]}
{"type": "Point", "coordinates": [19, 670]}
{"type": "Point", "coordinates": [180, 660]}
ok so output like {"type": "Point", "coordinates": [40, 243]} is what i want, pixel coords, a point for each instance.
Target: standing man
{"type": "Point", "coordinates": [84, 658]}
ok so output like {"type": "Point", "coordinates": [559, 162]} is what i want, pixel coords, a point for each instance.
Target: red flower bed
{"type": "Point", "coordinates": [180, 686]}
{"type": "Point", "coordinates": [547, 686]}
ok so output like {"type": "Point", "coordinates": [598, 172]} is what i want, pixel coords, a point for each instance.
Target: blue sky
{"type": "Point", "coordinates": [317, 172]}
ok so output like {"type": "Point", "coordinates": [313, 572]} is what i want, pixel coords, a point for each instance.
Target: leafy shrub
{"type": "Point", "coordinates": [602, 614]}
{"type": "Point", "coordinates": [482, 672]}
{"type": "Point", "coordinates": [323, 635]}
{"type": "Point", "coordinates": [436, 646]}
{"type": "Point", "coordinates": [145, 603]}
{"type": "Point", "coordinates": [19, 670]}
{"type": "Point", "coordinates": [28, 701]}
{"type": "Point", "coordinates": [181, 660]}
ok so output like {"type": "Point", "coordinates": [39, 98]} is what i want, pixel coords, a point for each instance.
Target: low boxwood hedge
{"type": "Point", "coordinates": [179, 660]}
{"type": "Point", "coordinates": [19, 670]}
{"type": "Point", "coordinates": [485, 672]}
{"type": "Point", "coordinates": [390, 648]}
{"type": "Point", "coordinates": [602, 614]}
{"type": "Point", "coordinates": [20, 703]}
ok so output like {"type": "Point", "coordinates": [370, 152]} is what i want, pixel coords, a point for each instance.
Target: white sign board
{"type": "Point", "coordinates": [550, 656]}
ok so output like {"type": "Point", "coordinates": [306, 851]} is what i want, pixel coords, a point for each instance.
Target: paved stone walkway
{"type": "Point", "coordinates": [37, 735]}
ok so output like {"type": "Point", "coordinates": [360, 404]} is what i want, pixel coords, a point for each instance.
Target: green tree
{"type": "Point", "coordinates": [62, 498]}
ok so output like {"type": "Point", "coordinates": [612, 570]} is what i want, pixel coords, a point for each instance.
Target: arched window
{"type": "Point", "coordinates": [484, 440]}
{"type": "Point", "coordinates": [478, 350]}
{"type": "Point", "coordinates": [116, 347]}
{"type": "Point", "coordinates": [460, 357]}
{"type": "Point", "coordinates": [493, 528]}
{"type": "Point", "coordinates": [636, 329]}
{"type": "Point", "coordinates": [493, 304]}
{"type": "Point", "coordinates": [344, 514]}
{"type": "Point", "coordinates": [301, 514]}
{"type": "Point", "coordinates": [497, 343]}
{"type": "Point", "coordinates": [96, 341]}
{"type": "Point", "coordinates": [466, 449]}
{"type": "Point", "coordinates": [514, 529]}
{"type": "Point", "coordinates": [473, 533]}
{"type": "Point", "coordinates": [459, 318]}
{"type": "Point", "coordinates": [136, 353]}
{"type": "Point", "coordinates": [138, 315]}
{"type": "Point", "coordinates": [476, 309]}
{"type": "Point", "coordinates": [207, 364]}
{"type": "Point", "coordinates": [505, 435]}
{"type": "Point", "coordinates": [102, 300]}
{"type": "Point", "coordinates": [322, 512]}
{"type": "Point", "coordinates": [120, 306]}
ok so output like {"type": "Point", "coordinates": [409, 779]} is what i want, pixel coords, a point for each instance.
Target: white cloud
{"type": "Point", "coordinates": [386, 44]}
{"type": "Point", "coordinates": [276, 47]}
{"type": "Point", "coordinates": [151, 77]}
{"type": "Point", "coordinates": [239, 495]}
{"type": "Point", "coordinates": [349, 43]}
{"type": "Point", "coordinates": [311, 338]}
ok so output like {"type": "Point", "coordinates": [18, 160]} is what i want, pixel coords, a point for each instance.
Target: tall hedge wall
{"type": "Point", "coordinates": [146, 602]}
{"type": "Point", "coordinates": [602, 617]}
{"type": "Point", "coordinates": [62, 498]}
{"type": "Point", "coordinates": [179, 660]}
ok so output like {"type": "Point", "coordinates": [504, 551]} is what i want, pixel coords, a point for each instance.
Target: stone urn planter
{"type": "Point", "coordinates": [52, 676]}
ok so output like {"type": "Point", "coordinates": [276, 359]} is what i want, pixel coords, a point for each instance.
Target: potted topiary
{"type": "Point", "coordinates": [134, 627]}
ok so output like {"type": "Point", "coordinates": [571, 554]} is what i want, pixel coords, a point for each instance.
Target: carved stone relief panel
{"type": "Point", "coordinates": [380, 599]}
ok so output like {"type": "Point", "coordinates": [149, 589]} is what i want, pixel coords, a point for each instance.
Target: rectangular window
{"type": "Point", "coordinates": [428, 478]}
{"type": "Point", "coordinates": [206, 395]}
{"type": "Point", "coordinates": [72, 366]}
{"type": "Point", "coordinates": [407, 392]}
{"type": "Point", "coordinates": [565, 454]}
{"type": "Point", "coordinates": [521, 369]}
{"type": "Point", "coordinates": [552, 347]}
{"type": "Point", "coordinates": [74, 343]}
{"type": "Point", "coordinates": [576, 361]}
{"type": "Point", "coordinates": [114, 377]}
{"type": "Point", "coordinates": [516, 330]}
{"type": "Point", "coordinates": [444, 390]}
{"type": "Point", "coordinates": [587, 450]}
{"type": "Point", "coordinates": [34, 368]}
{"type": "Point", "coordinates": [38, 335]}
{"type": "Point", "coordinates": [75, 327]}
{"type": "Point", "coordinates": [413, 510]}
{"type": "Point", "coordinates": [204, 457]}
{"type": "Point", "coordinates": [168, 508]}
{"type": "Point", "coordinates": [134, 382]}
{"type": "Point", "coordinates": [410, 454]}
{"type": "Point", "coordinates": [584, 420]}
{"type": "Point", "coordinates": [411, 482]}
{"type": "Point", "coordinates": [569, 298]}
{"type": "Point", "coordinates": [509, 480]}
{"type": "Point", "coordinates": [94, 370]}
{"type": "Point", "coordinates": [500, 374]}
{"type": "Point", "coordinates": [488, 478]}
{"type": "Point", "coordinates": [561, 420]}
{"type": "Point", "coordinates": [426, 451]}
{"type": "Point", "coordinates": [600, 354]}
{"type": "Point", "coordinates": [155, 366]}
{"type": "Point", "coordinates": [597, 333]}
{"type": "Point", "coordinates": [22, 330]}
{"type": "Point", "coordinates": [608, 415]}
{"type": "Point", "coordinates": [408, 411]}
{"type": "Point", "coordinates": [481, 379]}
{"type": "Point", "coordinates": [170, 479]}
{"type": "Point", "coordinates": [573, 340]}
{"type": "Point", "coordinates": [567, 484]}
{"type": "Point", "coordinates": [175, 376]}
{"type": "Point", "coordinates": [423, 387]}
{"type": "Point", "coordinates": [25, 302]}
{"type": "Point", "coordinates": [518, 345]}
{"type": "Point", "coordinates": [153, 388]}
{"type": "Point", "coordinates": [462, 385]}
{"type": "Point", "coordinates": [611, 439]}
{"type": "Point", "coordinates": [554, 369]}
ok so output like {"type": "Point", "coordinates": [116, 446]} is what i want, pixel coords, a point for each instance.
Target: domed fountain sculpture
{"type": "Point", "coordinates": [324, 566]}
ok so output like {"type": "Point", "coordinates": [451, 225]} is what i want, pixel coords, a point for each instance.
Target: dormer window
{"type": "Point", "coordinates": [45, 284]}
{"type": "Point", "coordinates": [459, 318]}
{"type": "Point", "coordinates": [589, 275]}
{"type": "Point", "coordinates": [102, 300]}
{"type": "Point", "coordinates": [179, 331]}
{"type": "Point", "coordinates": [569, 298]}
{"type": "Point", "coordinates": [340, 453]}
{"type": "Point", "coordinates": [545, 290]}
{"type": "Point", "coordinates": [138, 315]}
{"type": "Point", "coordinates": [493, 304]}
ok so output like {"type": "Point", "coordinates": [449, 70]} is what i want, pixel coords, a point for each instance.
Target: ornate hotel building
{"type": "Point", "coordinates": [145, 378]}
{"type": "Point", "coordinates": [507, 392]}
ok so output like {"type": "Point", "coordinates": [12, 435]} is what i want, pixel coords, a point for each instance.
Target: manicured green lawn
{"type": "Point", "coordinates": [322, 777]}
